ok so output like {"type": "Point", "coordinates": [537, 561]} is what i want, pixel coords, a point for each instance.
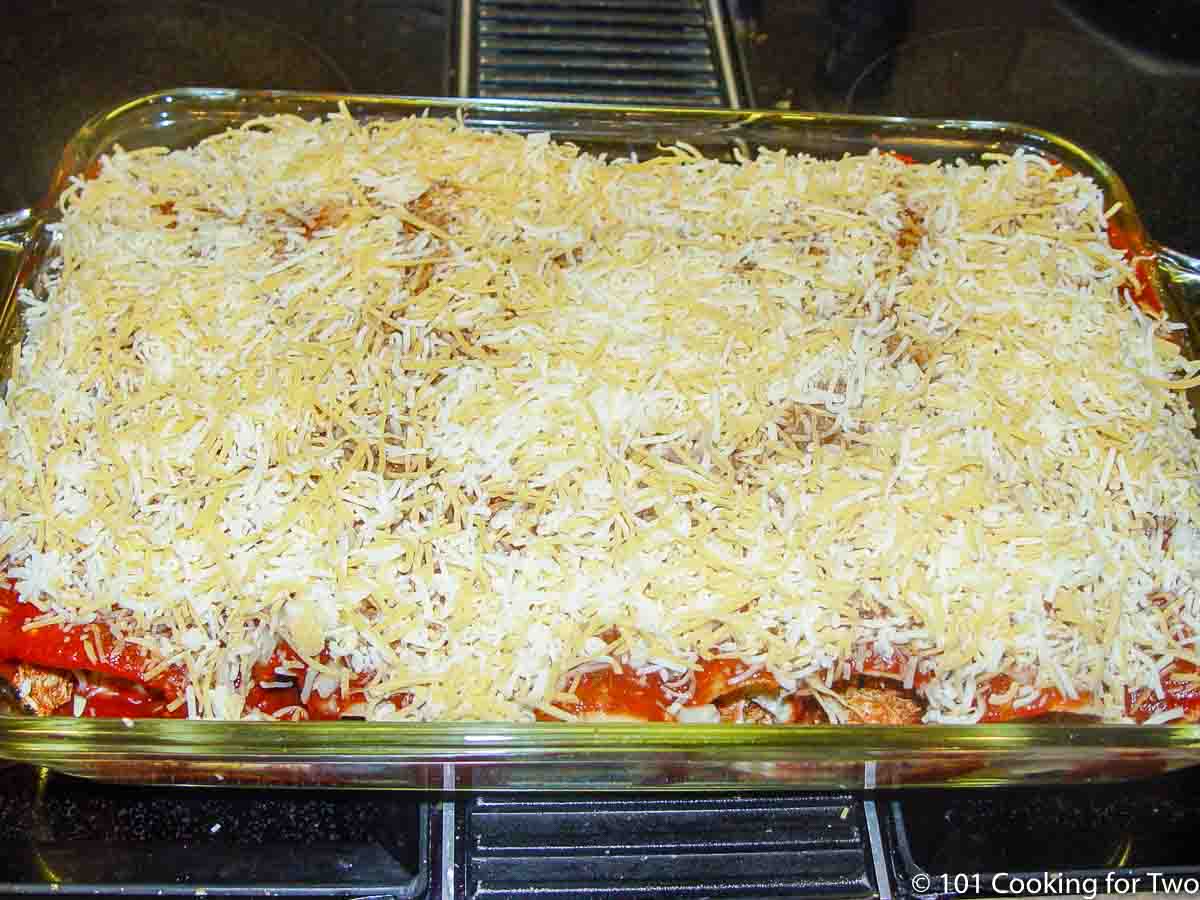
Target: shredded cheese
{"type": "Point", "coordinates": [448, 406]}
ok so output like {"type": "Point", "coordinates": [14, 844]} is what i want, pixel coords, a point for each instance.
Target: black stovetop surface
{"type": "Point", "coordinates": [65, 836]}
{"type": "Point", "coordinates": [1148, 824]}
{"type": "Point", "coordinates": [1121, 79]}
{"type": "Point", "coordinates": [81, 835]}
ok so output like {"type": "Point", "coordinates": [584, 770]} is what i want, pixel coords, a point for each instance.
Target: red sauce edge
{"type": "Point", "coordinates": [645, 697]}
{"type": "Point", "coordinates": [1047, 701]}
{"type": "Point", "coordinates": [62, 647]}
{"type": "Point", "coordinates": [1143, 261]}
{"type": "Point", "coordinates": [642, 697]}
{"type": "Point", "coordinates": [127, 693]}
{"type": "Point", "coordinates": [1141, 704]}
{"type": "Point", "coordinates": [626, 693]}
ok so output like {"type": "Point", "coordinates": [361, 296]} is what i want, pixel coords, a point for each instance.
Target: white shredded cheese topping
{"type": "Point", "coordinates": [448, 405]}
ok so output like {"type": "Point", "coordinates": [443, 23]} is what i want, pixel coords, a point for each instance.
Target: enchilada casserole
{"type": "Point", "coordinates": [401, 420]}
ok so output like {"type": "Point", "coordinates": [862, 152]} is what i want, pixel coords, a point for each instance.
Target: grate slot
{"type": "Point", "coordinates": [539, 62]}
{"type": "Point", "coordinates": [653, 6]}
{"type": "Point", "coordinates": [666, 847]}
{"type": "Point", "coordinates": [575, 16]}
{"type": "Point", "coordinates": [630, 49]}
{"type": "Point", "coordinates": [647, 52]}
{"type": "Point", "coordinates": [578, 80]}
{"type": "Point", "coordinates": [578, 31]}
{"type": "Point", "coordinates": [630, 99]}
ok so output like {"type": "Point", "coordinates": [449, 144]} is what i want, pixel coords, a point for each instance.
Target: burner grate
{"type": "Point", "coordinates": [642, 52]}
{"type": "Point", "coordinates": [666, 846]}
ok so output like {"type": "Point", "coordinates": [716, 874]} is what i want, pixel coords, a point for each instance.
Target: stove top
{"type": "Point", "coordinates": [1123, 80]}
{"type": "Point", "coordinates": [93, 838]}
{"type": "Point", "coordinates": [70, 837]}
{"type": "Point", "coordinates": [1120, 79]}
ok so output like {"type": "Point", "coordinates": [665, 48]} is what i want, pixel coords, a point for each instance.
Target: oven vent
{"type": "Point", "coordinates": [642, 52]}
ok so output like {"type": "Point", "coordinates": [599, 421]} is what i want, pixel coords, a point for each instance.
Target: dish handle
{"type": "Point", "coordinates": [16, 234]}
{"type": "Point", "coordinates": [1181, 279]}
{"type": "Point", "coordinates": [16, 230]}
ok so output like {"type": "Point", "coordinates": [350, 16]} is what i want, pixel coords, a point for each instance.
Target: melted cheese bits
{"type": "Point", "coordinates": [441, 408]}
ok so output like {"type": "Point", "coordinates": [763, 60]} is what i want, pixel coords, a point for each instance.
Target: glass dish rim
{"type": "Point", "coordinates": [461, 740]}
{"type": "Point", "coordinates": [1029, 134]}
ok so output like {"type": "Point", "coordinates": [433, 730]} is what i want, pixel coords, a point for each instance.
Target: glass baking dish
{"type": "Point", "coordinates": [569, 756]}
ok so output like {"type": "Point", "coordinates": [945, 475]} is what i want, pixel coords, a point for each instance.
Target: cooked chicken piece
{"type": "Point", "coordinates": [743, 711]}
{"type": "Point", "coordinates": [436, 206]}
{"type": "Point", "coordinates": [917, 351]}
{"type": "Point", "coordinates": [912, 230]}
{"type": "Point", "coordinates": [879, 706]}
{"type": "Point", "coordinates": [42, 691]}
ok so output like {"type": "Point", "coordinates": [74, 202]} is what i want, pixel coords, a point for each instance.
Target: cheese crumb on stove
{"type": "Point", "coordinates": [446, 410]}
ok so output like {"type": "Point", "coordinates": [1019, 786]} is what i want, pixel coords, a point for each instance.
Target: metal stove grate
{"type": "Point", "coordinates": [644, 52]}
{"type": "Point", "coordinates": [666, 847]}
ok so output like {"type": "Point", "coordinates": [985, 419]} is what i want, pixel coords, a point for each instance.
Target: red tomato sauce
{"type": "Point", "coordinates": [63, 647]}
{"type": "Point", "coordinates": [807, 711]}
{"type": "Point", "coordinates": [720, 678]}
{"type": "Point", "coordinates": [1183, 694]}
{"type": "Point", "coordinates": [623, 693]}
{"type": "Point", "coordinates": [1142, 259]}
{"type": "Point", "coordinates": [894, 664]}
{"type": "Point", "coordinates": [270, 700]}
{"type": "Point", "coordinates": [716, 680]}
{"type": "Point", "coordinates": [1049, 700]}
{"type": "Point", "coordinates": [124, 701]}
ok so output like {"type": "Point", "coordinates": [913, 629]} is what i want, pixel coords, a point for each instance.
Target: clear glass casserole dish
{"type": "Point", "coordinates": [574, 756]}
